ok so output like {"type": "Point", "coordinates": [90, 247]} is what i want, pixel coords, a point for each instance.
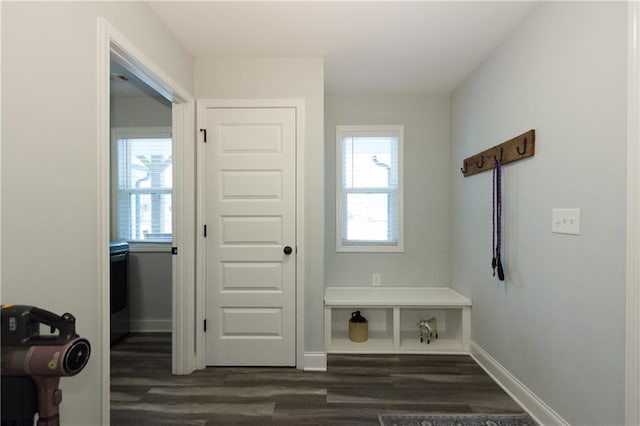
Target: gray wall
{"type": "Point", "coordinates": [139, 111]}
{"type": "Point", "coordinates": [557, 323]}
{"type": "Point", "coordinates": [150, 290]}
{"type": "Point", "coordinates": [50, 215]}
{"type": "Point", "coordinates": [426, 260]}
{"type": "Point", "coordinates": [149, 270]}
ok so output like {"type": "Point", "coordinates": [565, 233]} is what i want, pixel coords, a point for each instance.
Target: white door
{"type": "Point", "coordinates": [250, 242]}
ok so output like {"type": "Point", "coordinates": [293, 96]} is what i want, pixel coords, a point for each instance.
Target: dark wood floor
{"type": "Point", "coordinates": [353, 391]}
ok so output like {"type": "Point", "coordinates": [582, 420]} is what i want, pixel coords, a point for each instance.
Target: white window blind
{"type": "Point", "coordinates": [144, 187]}
{"type": "Point", "coordinates": [369, 192]}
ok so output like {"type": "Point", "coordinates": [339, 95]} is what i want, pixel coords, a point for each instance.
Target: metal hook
{"type": "Point", "coordinates": [481, 162]}
{"type": "Point", "coordinates": [501, 155]}
{"type": "Point", "coordinates": [464, 171]}
{"type": "Point", "coordinates": [524, 148]}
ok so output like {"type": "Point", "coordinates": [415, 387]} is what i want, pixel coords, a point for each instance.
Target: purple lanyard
{"type": "Point", "coordinates": [496, 220]}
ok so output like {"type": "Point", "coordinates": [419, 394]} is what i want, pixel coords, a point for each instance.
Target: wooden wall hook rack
{"type": "Point", "coordinates": [515, 149]}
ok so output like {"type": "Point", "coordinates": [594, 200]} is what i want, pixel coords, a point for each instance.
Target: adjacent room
{"type": "Point", "coordinates": [387, 195]}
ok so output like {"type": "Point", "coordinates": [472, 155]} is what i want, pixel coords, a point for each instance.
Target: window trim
{"type": "Point", "coordinates": [369, 246]}
{"type": "Point", "coordinates": [131, 133]}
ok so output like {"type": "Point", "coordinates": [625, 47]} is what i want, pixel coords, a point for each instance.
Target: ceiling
{"type": "Point", "coordinates": [368, 46]}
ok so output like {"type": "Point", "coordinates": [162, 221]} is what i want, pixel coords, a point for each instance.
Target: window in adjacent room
{"type": "Point", "coordinates": [369, 189]}
{"type": "Point", "coordinates": [143, 184]}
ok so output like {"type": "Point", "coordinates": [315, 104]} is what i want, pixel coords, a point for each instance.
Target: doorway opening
{"type": "Point", "coordinates": [141, 182]}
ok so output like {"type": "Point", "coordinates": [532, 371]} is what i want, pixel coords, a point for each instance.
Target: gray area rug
{"type": "Point", "coordinates": [456, 420]}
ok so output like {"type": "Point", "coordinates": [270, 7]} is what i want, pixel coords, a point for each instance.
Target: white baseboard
{"type": "Point", "coordinates": [150, 326]}
{"type": "Point", "coordinates": [315, 361]}
{"type": "Point", "coordinates": [536, 407]}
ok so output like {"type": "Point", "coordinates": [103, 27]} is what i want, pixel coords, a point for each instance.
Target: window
{"type": "Point", "coordinates": [143, 184]}
{"type": "Point", "coordinates": [369, 189]}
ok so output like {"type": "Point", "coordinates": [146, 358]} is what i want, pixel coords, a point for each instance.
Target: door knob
{"type": "Point", "coordinates": [288, 250]}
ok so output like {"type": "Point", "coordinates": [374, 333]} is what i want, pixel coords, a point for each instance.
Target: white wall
{"type": "Point", "coordinates": [426, 260]}
{"type": "Point", "coordinates": [557, 322]}
{"type": "Point", "coordinates": [49, 163]}
{"type": "Point", "coordinates": [285, 78]}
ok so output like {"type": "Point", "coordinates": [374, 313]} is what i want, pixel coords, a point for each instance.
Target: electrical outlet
{"type": "Point", "coordinates": [376, 279]}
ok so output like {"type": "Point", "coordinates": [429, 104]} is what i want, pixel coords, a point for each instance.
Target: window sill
{"type": "Point", "coordinates": [370, 249]}
{"type": "Point", "coordinates": [142, 247]}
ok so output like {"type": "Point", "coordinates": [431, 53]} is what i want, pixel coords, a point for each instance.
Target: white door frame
{"type": "Point", "coordinates": [202, 105]}
{"type": "Point", "coordinates": [632, 367]}
{"type": "Point", "coordinates": [111, 43]}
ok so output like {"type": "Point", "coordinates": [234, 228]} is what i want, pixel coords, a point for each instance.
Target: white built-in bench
{"type": "Point", "coordinates": [394, 315]}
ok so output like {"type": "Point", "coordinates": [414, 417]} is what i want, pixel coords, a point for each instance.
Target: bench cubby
{"type": "Point", "coordinates": [394, 314]}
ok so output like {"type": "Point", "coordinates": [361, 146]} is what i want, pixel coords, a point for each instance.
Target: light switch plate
{"type": "Point", "coordinates": [565, 221]}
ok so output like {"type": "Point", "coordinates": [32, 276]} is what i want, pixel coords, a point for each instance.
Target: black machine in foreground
{"type": "Point", "coordinates": [32, 363]}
